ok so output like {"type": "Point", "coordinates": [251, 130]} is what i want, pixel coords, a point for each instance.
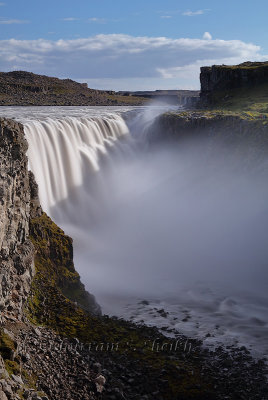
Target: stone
{"type": "Point", "coordinates": [100, 382]}
{"type": "Point", "coordinates": [97, 367]}
{"type": "Point", "coordinates": [17, 379]}
{"type": "Point", "coordinates": [7, 389]}
{"type": "Point", "coordinates": [3, 395]}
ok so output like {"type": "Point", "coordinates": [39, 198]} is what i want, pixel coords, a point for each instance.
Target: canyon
{"type": "Point", "coordinates": [55, 342]}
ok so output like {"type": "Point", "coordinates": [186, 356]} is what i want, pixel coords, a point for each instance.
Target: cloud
{"type": "Point", "coordinates": [12, 21]}
{"type": "Point", "coordinates": [117, 58]}
{"type": "Point", "coordinates": [166, 16]}
{"type": "Point", "coordinates": [2, 4]}
{"type": "Point", "coordinates": [97, 20]}
{"type": "Point", "coordinates": [189, 13]}
{"type": "Point", "coordinates": [207, 36]}
{"type": "Point", "coordinates": [70, 19]}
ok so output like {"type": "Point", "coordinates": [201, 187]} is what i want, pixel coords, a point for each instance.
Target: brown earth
{"type": "Point", "coordinates": [20, 88]}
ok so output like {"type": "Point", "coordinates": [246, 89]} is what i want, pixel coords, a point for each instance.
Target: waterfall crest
{"type": "Point", "coordinates": [62, 151]}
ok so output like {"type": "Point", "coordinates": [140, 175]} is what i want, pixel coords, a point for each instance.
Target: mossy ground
{"type": "Point", "coordinates": [127, 100]}
{"type": "Point", "coordinates": [13, 362]}
{"type": "Point", "coordinates": [7, 345]}
{"type": "Point", "coordinates": [246, 65]}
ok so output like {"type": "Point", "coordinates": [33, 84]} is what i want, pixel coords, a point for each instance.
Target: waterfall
{"type": "Point", "coordinates": [183, 226]}
{"type": "Point", "coordinates": [63, 151]}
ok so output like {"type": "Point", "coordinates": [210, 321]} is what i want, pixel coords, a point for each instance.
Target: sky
{"type": "Point", "coordinates": [130, 45]}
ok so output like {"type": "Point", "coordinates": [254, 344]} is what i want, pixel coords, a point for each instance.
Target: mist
{"type": "Point", "coordinates": [174, 217]}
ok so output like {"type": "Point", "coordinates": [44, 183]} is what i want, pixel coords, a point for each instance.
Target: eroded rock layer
{"type": "Point", "coordinates": [16, 250]}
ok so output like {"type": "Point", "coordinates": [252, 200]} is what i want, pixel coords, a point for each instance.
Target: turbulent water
{"type": "Point", "coordinates": [184, 228]}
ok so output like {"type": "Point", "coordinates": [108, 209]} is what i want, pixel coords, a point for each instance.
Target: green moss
{"type": "Point", "coordinates": [7, 346]}
{"type": "Point", "coordinates": [29, 379]}
{"type": "Point", "coordinates": [54, 260]}
{"type": "Point", "coordinates": [245, 66]}
{"type": "Point", "coordinates": [127, 100]}
{"type": "Point", "coordinates": [210, 114]}
{"type": "Point", "coordinates": [12, 367]}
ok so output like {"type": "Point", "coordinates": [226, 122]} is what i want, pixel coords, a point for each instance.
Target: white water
{"type": "Point", "coordinates": [75, 147]}
{"type": "Point", "coordinates": [185, 228]}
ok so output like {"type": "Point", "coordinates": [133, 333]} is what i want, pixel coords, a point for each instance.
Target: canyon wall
{"type": "Point", "coordinates": [196, 124]}
{"type": "Point", "coordinates": [227, 77]}
{"type": "Point", "coordinates": [16, 250]}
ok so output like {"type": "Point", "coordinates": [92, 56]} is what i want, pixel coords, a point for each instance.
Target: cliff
{"type": "Point", "coordinates": [220, 77]}
{"type": "Point", "coordinates": [240, 128]}
{"type": "Point", "coordinates": [21, 88]}
{"type": "Point", "coordinates": [17, 251]}
{"type": "Point", "coordinates": [235, 86]}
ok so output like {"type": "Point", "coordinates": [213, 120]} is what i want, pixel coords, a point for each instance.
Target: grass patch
{"type": "Point", "coordinates": [12, 367]}
{"type": "Point", "coordinates": [7, 346]}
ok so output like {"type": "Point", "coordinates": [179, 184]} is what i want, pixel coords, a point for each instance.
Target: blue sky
{"type": "Point", "coordinates": [149, 44]}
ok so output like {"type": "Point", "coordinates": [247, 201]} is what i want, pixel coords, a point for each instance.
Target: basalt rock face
{"type": "Point", "coordinates": [56, 281]}
{"type": "Point", "coordinates": [16, 250]}
{"type": "Point", "coordinates": [189, 125]}
{"type": "Point", "coordinates": [224, 77]}
{"type": "Point", "coordinates": [18, 197]}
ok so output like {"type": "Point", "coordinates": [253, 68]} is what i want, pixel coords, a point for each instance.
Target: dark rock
{"type": "Point", "coordinates": [224, 77]}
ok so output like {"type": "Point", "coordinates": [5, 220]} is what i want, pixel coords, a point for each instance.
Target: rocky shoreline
{"type": "Point", "coordinates": [70, 369]}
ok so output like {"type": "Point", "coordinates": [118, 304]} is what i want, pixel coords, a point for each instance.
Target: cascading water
{"type": "Point", "coordinates": [62, 153]}
{"type": "Point", "coordinates": [182, 227]}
